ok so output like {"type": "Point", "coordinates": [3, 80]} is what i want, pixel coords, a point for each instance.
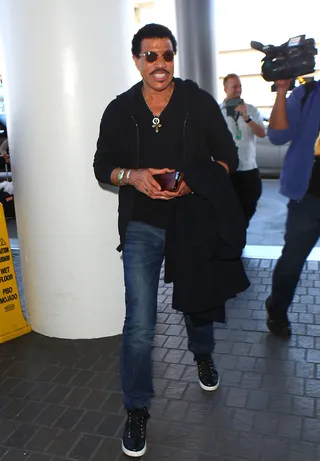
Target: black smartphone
{"type": "Point", "coordinates": [169, 181]}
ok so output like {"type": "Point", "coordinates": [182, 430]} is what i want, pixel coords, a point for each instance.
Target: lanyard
{"type": "Point", "coordinates": [238, 131]}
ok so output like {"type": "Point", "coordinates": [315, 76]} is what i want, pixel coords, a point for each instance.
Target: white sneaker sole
{"type": "Point", "coordinates": [134, 454]}
{"type": "Point", "coordinates": [209, 388]}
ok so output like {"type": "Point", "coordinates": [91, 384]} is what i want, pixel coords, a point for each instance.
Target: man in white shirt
{"type": "Point", "coordinates": [245, 124]}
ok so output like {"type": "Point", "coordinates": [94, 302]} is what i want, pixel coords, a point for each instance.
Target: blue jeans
{"type": "Point", "coordinates": [143, 255]}
{"type": "Point", "coordinates": [302, 233]}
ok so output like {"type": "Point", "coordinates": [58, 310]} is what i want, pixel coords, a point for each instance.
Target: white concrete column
{"type": "Point", "coordinates": [65, 60]}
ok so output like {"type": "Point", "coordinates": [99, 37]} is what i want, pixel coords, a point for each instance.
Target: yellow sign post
{"type": "Point", "coordinates": [12, 322]}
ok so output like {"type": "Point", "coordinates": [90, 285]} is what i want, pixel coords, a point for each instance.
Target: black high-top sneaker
{"type": "Point", "coordinates": [134, 435]}
{"type": "Point", "coordinates": [277, 322]}
{"type": "Point", "coordinates": [208, 374]}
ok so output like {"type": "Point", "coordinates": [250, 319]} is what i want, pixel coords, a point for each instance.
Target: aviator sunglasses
{"type": "Point", "coordinates": [152, 56]}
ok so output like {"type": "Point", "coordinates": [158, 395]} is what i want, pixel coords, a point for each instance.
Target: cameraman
{"type": "Point", "coordinates": [245, 124]}
{"type": "Point", "coordinates": [295, 119]}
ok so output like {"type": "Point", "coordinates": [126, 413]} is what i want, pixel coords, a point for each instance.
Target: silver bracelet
{"type": "Point", "coordinates": [121, 175]}
{"type": "Point", "coordinates": [128, 175]}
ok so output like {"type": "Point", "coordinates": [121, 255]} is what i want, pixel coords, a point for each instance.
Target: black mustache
{"type": "Point", "coordinates": [159, 69]}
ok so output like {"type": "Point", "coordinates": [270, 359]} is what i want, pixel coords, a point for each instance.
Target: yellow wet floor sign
{"type": "Point", "coordinates": [12, 322]}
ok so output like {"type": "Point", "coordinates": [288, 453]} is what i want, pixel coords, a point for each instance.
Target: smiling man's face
{"type": "Point", "coordinates": [156, 75]}
{"type": "Point", "coordinates": [233, 88]}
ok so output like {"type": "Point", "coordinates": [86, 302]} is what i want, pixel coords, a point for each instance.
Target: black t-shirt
{"type": "Point", "coordinates": [159, 150]}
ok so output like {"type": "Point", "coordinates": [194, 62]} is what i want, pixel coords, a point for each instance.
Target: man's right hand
{"type": "Point", "coordinates": [144, 182]}
{"type": "Point", "coordinates": [278, 118]}
{"type": "Point", "coordinates": [282, 86]}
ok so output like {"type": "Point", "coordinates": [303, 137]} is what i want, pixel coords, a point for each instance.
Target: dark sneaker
{"type": "Point", "coordinates": [208, 374]}
{"type": "Point", "coordinates": [134, 435]}
{"type": "Point", "coordinates": [278, 323]}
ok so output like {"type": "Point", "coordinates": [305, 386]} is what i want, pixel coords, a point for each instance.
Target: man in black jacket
{"type": "Point", "coordinates": [158, 126]}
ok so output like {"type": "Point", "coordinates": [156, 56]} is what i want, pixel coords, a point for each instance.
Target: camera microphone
{"type": "Point", "coordinates": [257, 46]}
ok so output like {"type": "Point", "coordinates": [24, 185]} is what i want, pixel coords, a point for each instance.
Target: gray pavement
{"type": "Point", "coordinates": [267, 225]}
{"type": "Point", "coordinates": [60, 400]}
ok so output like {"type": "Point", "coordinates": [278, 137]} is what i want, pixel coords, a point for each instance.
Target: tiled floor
{"type": "Point", "coordinates": [60, 400]}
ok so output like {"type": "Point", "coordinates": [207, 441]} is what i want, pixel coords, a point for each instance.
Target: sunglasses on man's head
{"type": "Point", "coordinates": [152, 56]}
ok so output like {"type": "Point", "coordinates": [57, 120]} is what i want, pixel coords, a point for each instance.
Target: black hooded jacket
{"type": "Point", "coordinates": [205, 138]}
{"type": "Point", "coordinates": [204, 243]}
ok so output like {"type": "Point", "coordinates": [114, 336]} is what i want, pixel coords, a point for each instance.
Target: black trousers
{"type": "Point", "coordinates": [248, 187]}
{"type": "Point", "coordinates": [302, 233]}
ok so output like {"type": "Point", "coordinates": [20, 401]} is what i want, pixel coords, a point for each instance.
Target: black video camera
{"type": "Point", "coordinates": [294, 58]}
{"type": "Point", "coordinates": [231, 104]}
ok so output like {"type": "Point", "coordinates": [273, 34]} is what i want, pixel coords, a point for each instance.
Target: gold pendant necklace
{"type": "Point", "coordinates": [156, 124]}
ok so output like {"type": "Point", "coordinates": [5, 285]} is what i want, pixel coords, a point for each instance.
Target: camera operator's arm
{"type": "Point", "coordinates": [286, 113]}
{"type": "Point", "coordinates": [278, 117]}
{"type": "Point", "coordinates": [253, 120]}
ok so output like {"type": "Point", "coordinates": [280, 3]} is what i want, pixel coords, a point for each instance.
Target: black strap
{"type": "Point", "coordinates": [236, 117]}
{"type": "Point", "coordinates": [308, 88]}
